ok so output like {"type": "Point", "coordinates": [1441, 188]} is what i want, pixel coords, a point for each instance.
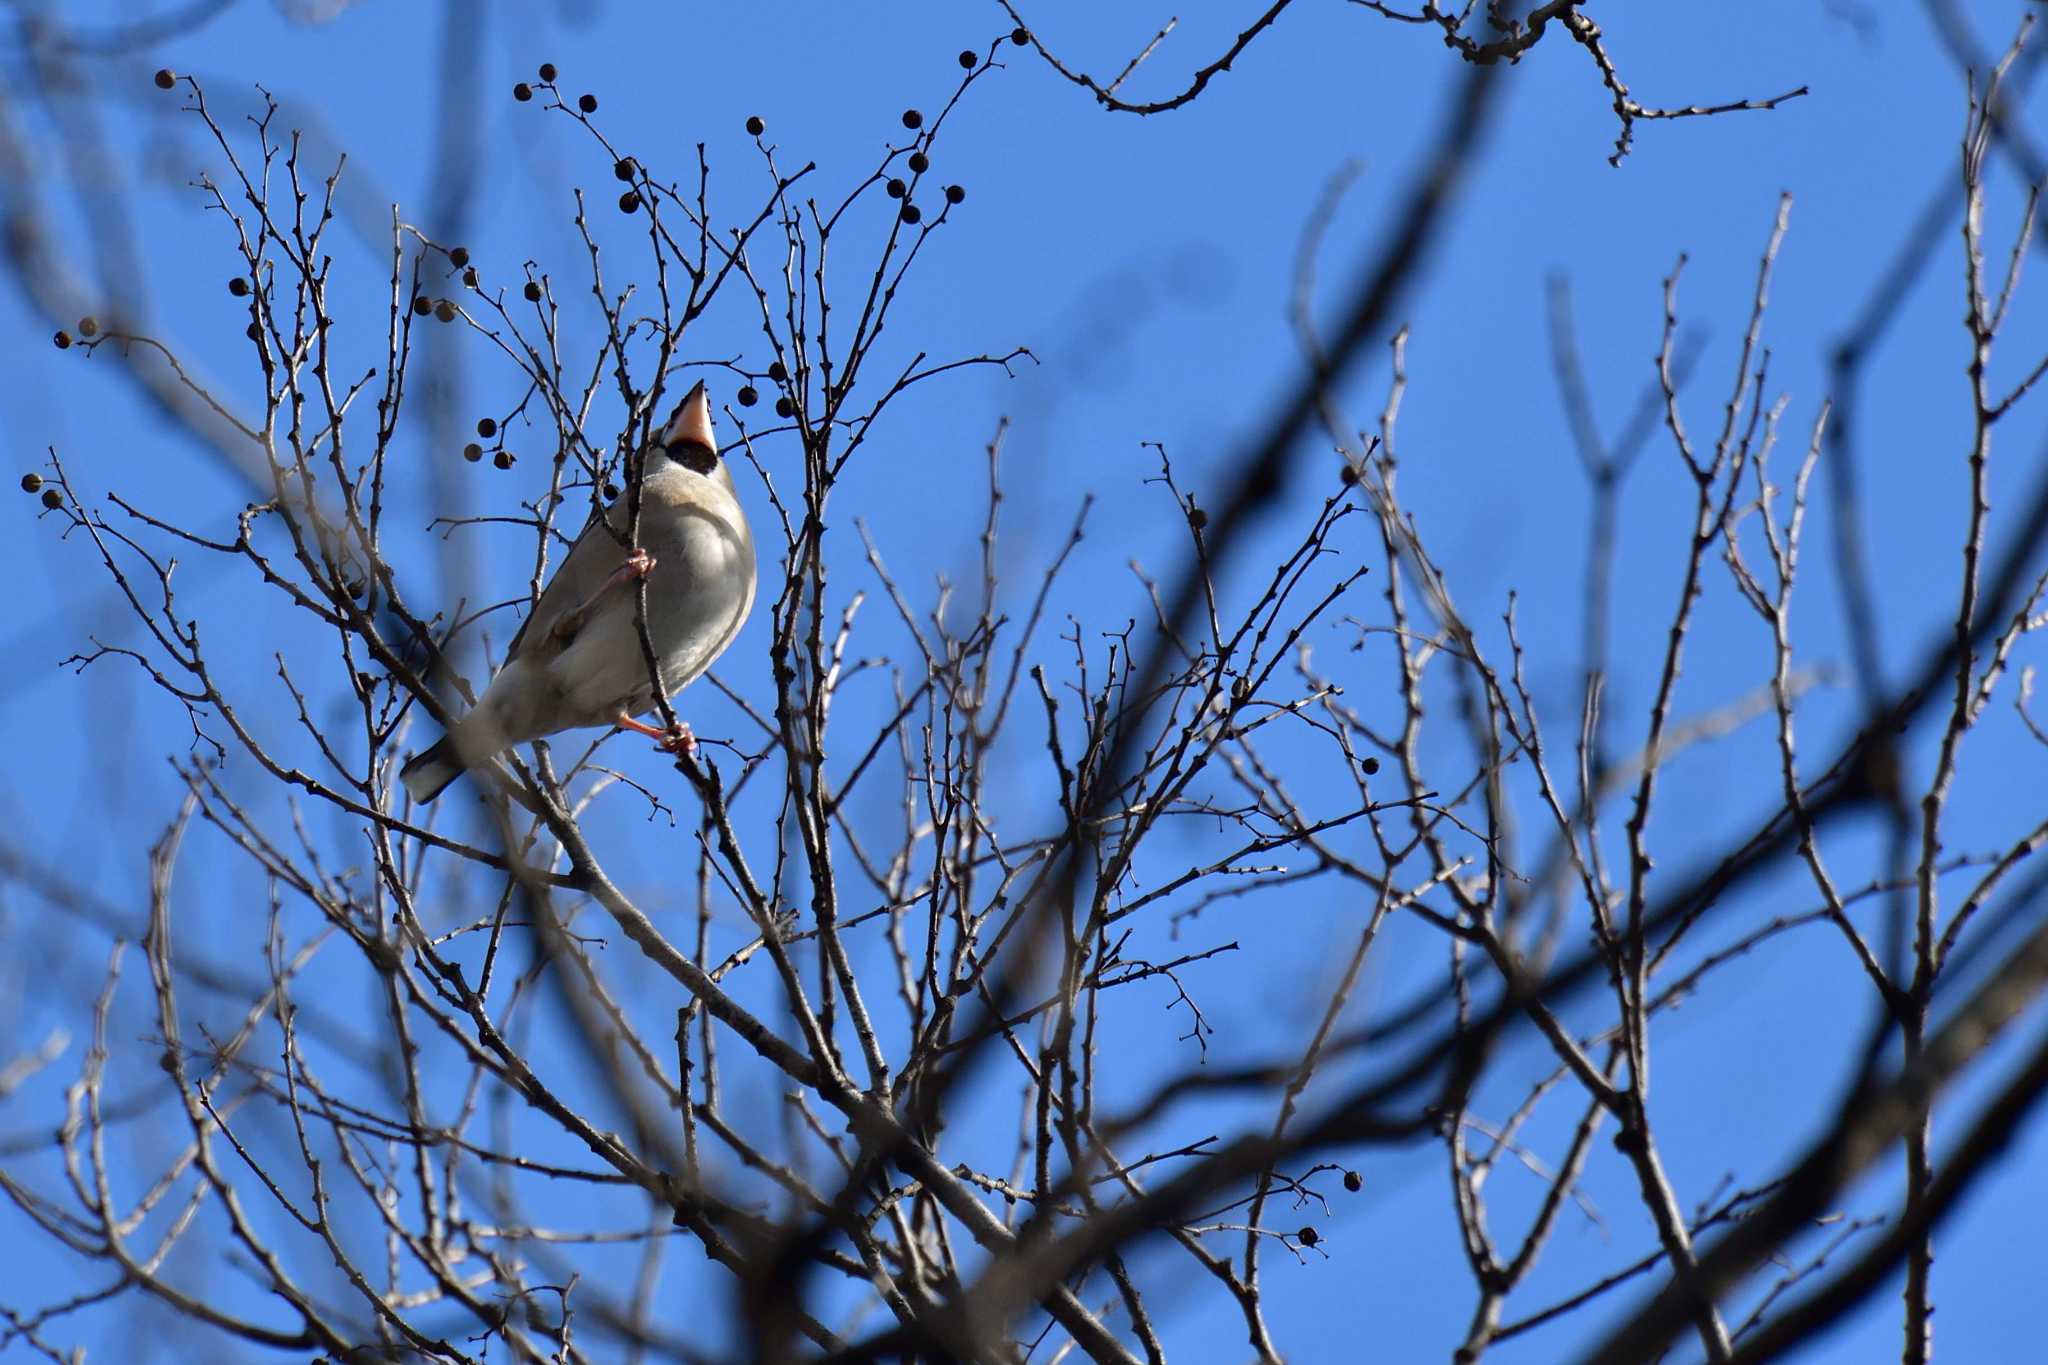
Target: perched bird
{"type": "Point", "coordinates": [578, 661]}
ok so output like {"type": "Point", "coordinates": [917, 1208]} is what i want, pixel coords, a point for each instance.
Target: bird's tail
{"type": "Point", "coordinates": [429, 773]}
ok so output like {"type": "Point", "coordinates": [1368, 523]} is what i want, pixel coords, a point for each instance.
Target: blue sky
{"type": "Point", "coordinates": [1147, 264]}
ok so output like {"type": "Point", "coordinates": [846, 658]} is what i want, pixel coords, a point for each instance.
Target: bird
{"type": "Point", "coordinates": [578, 659]}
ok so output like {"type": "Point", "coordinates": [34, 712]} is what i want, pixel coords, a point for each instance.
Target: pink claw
{"type": "Point", "coordinates": [636, 565]}
{"type": "Point", "coordinates": [668, 741]}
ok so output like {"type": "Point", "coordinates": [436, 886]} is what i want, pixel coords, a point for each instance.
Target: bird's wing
{"type": "Point", "coordinates": [594, 557]}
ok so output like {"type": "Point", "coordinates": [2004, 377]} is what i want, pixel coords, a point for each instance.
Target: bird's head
{"type": "Point", "coordinates": [688, 438]}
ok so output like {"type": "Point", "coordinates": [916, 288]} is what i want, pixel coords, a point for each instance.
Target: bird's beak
{"type": "Point", "coordinates": [691, 422]}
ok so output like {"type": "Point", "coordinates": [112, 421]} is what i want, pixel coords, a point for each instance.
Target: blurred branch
{"type": "Point", "coordinates": [1868, 1122]}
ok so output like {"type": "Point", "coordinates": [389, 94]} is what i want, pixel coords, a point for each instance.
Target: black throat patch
{"type": "Point", "coordinates": [691, 455]}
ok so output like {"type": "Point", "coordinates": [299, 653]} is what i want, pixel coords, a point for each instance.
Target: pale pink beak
{"type": "Point", "coordinates": [691, 422]}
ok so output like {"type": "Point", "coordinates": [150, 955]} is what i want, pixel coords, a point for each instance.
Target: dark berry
{"type": "Point", "coordinates": [472, 452]}
{"type": "Point", "coordinates": [784, 408]}
{"type": "Point", "coordinates": [919, 163]}
{"type": "Point", "coordinates": [356, 588]}
{"type": "Point", "coordinates": [1020, 36]}
{"type": "Point", "coordinates": [522, 92]}
{"type": "Point", "coordinates": [587, 103]}
{"type": "Point", "coordinates": [1370, 764]}
{"type": "Point", "coordinates": [164, 79]}
{"type": "Point", "coordinates": [1348, 475]}
{"type": "Point", "coordinates": [239, 287]}
{"type": "Point", "coordinates": [547, 71]}
{"type": "Point", "coordinates": [611, 492]}
{"type": "Point", "coordinates": [89, 326]}
{"type": "Point", "coordinates": [1309, 1237]}
{"type": "Point", "coordinates": [1352, 1181]}
{"type": "Point", "coordinates": [253, 332]}
{"type": "Point", "coordinates": [623, 168]}
{"type": "Point", "coordinates": [755, 127]}
{"type": "Point", "coordinates": [503, 459]}
{"type": "Point", "coordinates": [1197, 518]}
{"type": "Point", "coordinates": [31, 482]}
{"type": "Point", "coordinates": [532, 291]}
{"type": "Point", "coordinates": [63, 340]}
{"type": "Point", "coordinates": [954, 194]}
{"type": "Point", "coordinates": [912, 119]}
{"type": "Point", "coordinates": [967, 61]}
{"type": "Point", "coordinates": [629, 202]}
{"type": "Point", "coordinates": [776, 372]}
{"type": "Point", "coordinates": [52, 499]}
{"type": "Point", "coordinates": [910, 213]}
{"type": "Point", "coordinates": [469, 277]}
{"type": "Point", "coordinates": [486, 428]}
{"type": "Point", "coordinates": [445, 311]}
{"type": "Point", "coordinates": [748, 395]}
{"type": "Point", "coordinates": [423, 305]}
{"type": "Point", "coordinates": [896, 189]}
{"type": "Point", "coordinates": [458, 256]}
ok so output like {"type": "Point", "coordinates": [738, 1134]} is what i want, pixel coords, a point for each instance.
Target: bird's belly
{"type": "Point", "coordinates": [697, 598]}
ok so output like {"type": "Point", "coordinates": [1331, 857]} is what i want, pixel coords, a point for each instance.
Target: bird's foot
{"type": "Point", "coordinates": [636, 566]}
{"type": "Point", "coordinates": [632, 569]}
{"type": "Point", "coordinates": [669, 741]}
